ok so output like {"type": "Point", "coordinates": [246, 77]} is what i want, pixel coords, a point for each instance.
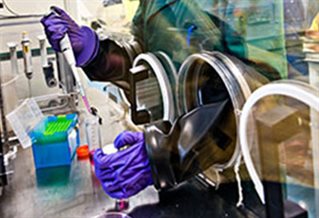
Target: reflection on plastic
{"type": "Point", "coordinates": [294, 89]}
{"type": "Point", "coordinates": [53, 176]}
{"type": "Point", "coordinates": [113, 215]}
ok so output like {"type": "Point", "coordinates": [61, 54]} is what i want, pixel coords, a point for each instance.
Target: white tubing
{"type": "Point", "coordinates": [297, 90]}
{"type": "Point", "coordinates": [240, 188]}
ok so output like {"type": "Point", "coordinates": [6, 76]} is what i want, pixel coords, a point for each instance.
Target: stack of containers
{"type": "Point", "coordinates": [54, 139]}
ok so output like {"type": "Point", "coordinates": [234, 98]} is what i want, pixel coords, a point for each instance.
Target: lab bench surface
{"type": "Point", "coordinates": [75, 192]}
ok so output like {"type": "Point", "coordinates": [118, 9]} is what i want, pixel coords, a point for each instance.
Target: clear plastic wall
{"type": "Point", "coordinates": [212, 50]}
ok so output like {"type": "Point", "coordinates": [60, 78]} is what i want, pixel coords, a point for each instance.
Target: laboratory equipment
{"type": "Point", "coordinates": [184, 149]}
{"type": "Point", "coordinates": [152, 81]}
{"type": "Point", "coordinates": [54, 141]}
{"type": "Point", "coordinates": [64, 44]}
{"type": "Point", "coordinates": [43, 51]}
{"type": "Point", "coordinates": [23, 119]}
{"type": "Point", "coordinates": [66, 79]}
{"type": "Point", "coordinates": [207, 77]}
{"type": "Point", "coordinates": [159, 93]}
{"type": "Point", "coordinates": [9, 95]}
{"type": "Point", "coordinates": [83, 152]}
{"type": "Point", "coordinates": [13, 57]}
{"type": "Point", "coordinates": [27, 59]}
{"type": "Point", "coordinates": [67, 51]}
{"type": "Point", "coordinates": [3, 171]}
{"type": "Point", "coordinates": [46, 65]}
{"type": "Point", "coordinates": [92, 130]}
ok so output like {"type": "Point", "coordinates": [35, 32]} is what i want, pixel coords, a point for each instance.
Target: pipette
{"type": "Point", "coordinates": [27, 59]}
{"type": "Point", "coordinates": [67, 51]}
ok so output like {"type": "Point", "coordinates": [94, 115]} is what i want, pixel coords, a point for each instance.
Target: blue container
{"type": "Point", "coordinates": [55, 146]}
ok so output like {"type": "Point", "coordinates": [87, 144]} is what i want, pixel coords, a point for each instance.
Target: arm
{"type": "Point", "coordinates": [104, 60]}
{"type": "Point", "coordinates": [164, 155]}
{"type": "Point", "coordinates": [114, 60]}
{"type": "Point", "coordinates": [112, 63]}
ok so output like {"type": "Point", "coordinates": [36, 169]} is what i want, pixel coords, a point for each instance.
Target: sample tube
{"type": "Point", "coordinates": [92, 132]}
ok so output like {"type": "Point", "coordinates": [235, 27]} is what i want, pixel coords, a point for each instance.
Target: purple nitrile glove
{"type": "Point", "coordinates": [126, 172]}
{"type": "Point", "coordinates": [84, 41]}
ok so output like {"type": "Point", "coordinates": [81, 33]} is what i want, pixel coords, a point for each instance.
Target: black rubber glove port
{"type": "Point", "coordinates": [178, 152]}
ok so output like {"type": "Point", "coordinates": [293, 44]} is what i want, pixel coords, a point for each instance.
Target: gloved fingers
{"type": "Point", "coordinates": [111, 188]}
{"type": "Point", "coordinates": [53, 21]}
{"type": "Point", "coordinates": [51, 17]}
{"type": "Point", "coordinates": [117, 193]}
{"type": "Point", "coordinates": [56, 32]}
{"type": "Point", "coordinates": [133, 165]}
{"type": "Point", "coordinates": [57, 9]}
{"type": "Point", "coordinates": [47, 16]}
{"type": "Point", "coordinates": [134, 169]}
{"type": "Point", "coordinates": [128, 187]}
{"type": "Point", "coordinates": [124, 160]}
{"type": "Point", "coordinates": [55, 25]}
{"type": "Point", "coordinates": [120, 168]}
{"type": "Point", "coordinates": [112, 161]}
{"type": "Point", "coordinates": [121, 159]}
{"type": "Point", "coordinates": [113, 180]}
{"type": "Point", "coordinates": [124, 173]}
{"type": "Point", "coordinates": [112, 168]}
{"type": "Point", "coordinates": [64, 15]}
{"type": "Point", "coordinates": [128, 138]}
{"type": "Point", "coordinates": [77, 45]}
{"type": "Point", "coordinates": [137, 184]}
{"type": "Point", "coordinates": [111, 185]}
{"type": "Point", "coordinates": [60, 12]}
{"type": "Point", "coordinates": [128, 175]}
{"type": "Point", "coordinates": [105, 175]}
{"type": "Point", "coordinates": [102, 160]}
{"type": "Point", "coordinates": [120, 139]}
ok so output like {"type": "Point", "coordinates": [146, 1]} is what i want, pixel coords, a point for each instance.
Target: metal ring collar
{"type": "Point", "coordinates": [233, 79]}
{"type": "Point", "coordinates": [164, 84]}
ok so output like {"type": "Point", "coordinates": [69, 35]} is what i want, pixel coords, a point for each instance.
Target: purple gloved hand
{"type": "Point", "coordinates": [126, 172]}
{"type": "Point", "coordinates": [84, 41]}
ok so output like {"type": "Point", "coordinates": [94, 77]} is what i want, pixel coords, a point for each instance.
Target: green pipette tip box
{"type": "Point", "coordinates": [54, 141]}
{"type": "Point", "coordinates": [53, 129]}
